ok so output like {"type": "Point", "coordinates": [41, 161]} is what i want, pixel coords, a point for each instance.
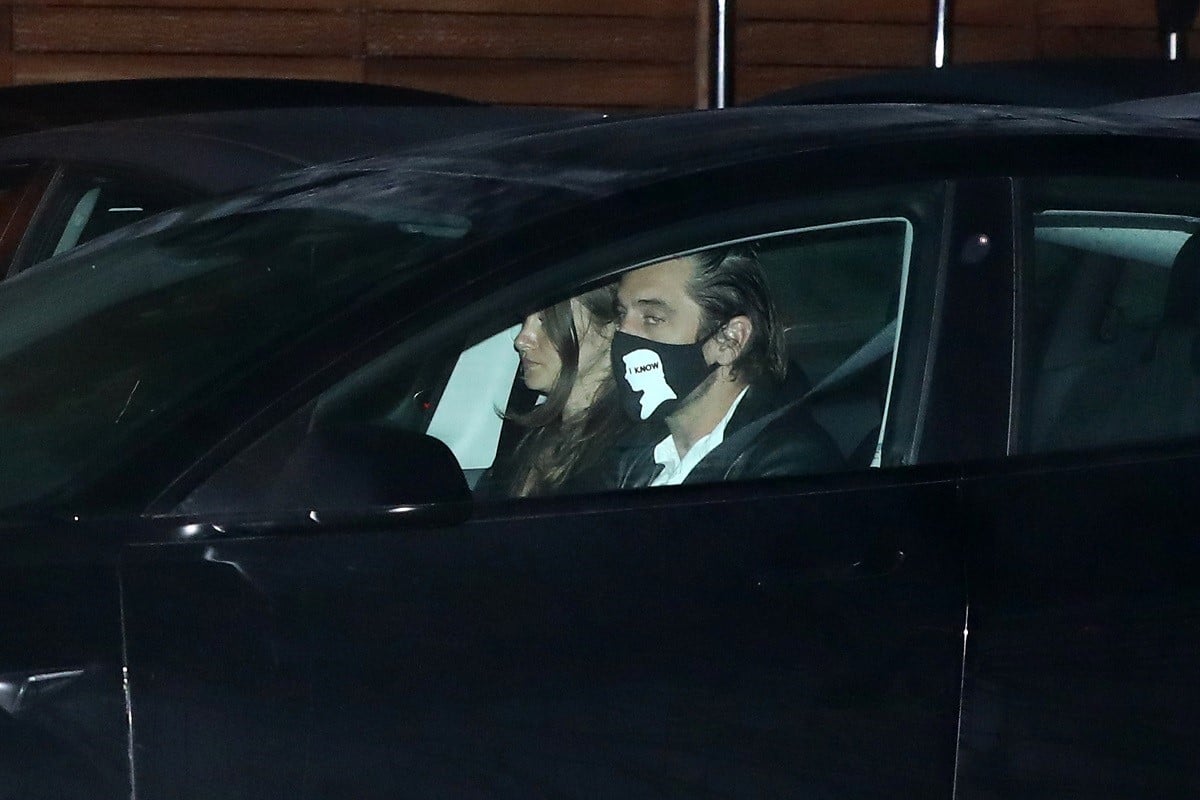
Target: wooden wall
{"type": "Point", "coordinates": [605, 54]}
{"type": "Point", "coordinates": [789, 42]}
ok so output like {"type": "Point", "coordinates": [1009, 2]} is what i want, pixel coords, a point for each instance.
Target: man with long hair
{"type": "Point", "coordinates": [700, 360]}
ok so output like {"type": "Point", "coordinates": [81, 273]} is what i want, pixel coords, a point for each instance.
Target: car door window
{"type": "Point", "coordinates": [841, 291]}
{"type": "Point", "coordinates": [1111, 351]}
{"type": "Point", "coordinates": [838, 290]}
{"type": "Point", "coordinates": [840, 284]}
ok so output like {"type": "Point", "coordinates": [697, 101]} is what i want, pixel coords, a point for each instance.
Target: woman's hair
{"type": "Point", "coordinates": [555, 448]}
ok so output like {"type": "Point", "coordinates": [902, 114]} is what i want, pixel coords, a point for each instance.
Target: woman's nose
{"type": "Point", "coordinates": [526, 337]}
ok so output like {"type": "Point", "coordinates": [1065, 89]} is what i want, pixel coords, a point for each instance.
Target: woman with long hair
{"type": "Point", "coordinates": [569, 439]}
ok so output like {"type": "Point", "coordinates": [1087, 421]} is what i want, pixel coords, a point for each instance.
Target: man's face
{"type": "Point", "coordinates": [653, 302]}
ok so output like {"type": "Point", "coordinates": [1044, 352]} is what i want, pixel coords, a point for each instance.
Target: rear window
{"type": "Point", "coordinates": [1110, 345]}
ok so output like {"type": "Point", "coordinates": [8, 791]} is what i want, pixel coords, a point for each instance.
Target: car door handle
{"type": "Point", "coordinates": [20, 689]}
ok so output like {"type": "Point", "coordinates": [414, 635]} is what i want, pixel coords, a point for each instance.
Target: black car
{"type": "Point", "coordinates": [81, 160]}
{"type": "Point", "coordinates": [1067, 83]}
{"type": "Point", "coordinates": [238, 445]}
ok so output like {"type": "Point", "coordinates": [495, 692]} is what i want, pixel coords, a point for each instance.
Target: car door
{"type": "Point", "coordinates": [63, 712]}
{"type": "Point", "coordinates": [1081, 659]}
{"type": "Point", "coordinates": [798, 636]}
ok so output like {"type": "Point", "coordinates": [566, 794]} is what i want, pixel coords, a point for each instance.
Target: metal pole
{"type": "Point", "coordinates": [1175, 20]}
{"type": "Point", "coordinates": [941, 34]}
{"type": "Point", "coordinates": [1174, 51]}
{"type": "Point", "coordinates": [721, 55]}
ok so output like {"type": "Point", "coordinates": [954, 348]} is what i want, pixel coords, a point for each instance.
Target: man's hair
{"type": "Point", "coordinates": [728, 282]}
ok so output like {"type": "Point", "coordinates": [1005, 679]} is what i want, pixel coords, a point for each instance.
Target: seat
{"type": "Point", "coordinates": [1076, 342]}
{"type": "Point", "coordinates": [848, 402]}
{"type": "Point", "coordinates": [1148, 388]}
{"type": "Point", "coordinates": [1162, 398]}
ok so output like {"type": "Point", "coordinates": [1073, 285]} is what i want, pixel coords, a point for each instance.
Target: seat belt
{"type": "Point", "coordinates": [879, 345]}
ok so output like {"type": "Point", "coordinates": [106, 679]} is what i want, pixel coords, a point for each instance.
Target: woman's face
{"type": "Point", "coordinates": [540, 361]}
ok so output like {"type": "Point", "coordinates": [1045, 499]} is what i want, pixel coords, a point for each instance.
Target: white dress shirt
{"type": "Point", "coordinates": [674, 468]}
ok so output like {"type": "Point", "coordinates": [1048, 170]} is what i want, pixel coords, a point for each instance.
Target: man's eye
{"type": "Point", "coordinates": [649, 320]}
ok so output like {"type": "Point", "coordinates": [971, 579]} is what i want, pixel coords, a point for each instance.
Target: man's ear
{"type": "Point", "coordinates": [732, 339]}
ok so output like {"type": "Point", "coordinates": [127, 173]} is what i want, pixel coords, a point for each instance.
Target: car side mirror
{"type": "Point", "coordinates": [355, 468]}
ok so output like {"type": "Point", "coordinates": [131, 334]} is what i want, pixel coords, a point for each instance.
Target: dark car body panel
{"type": "Point", "coordinates": [1083, 645]}
{"type": "Point", "coordinates": [641, 650]}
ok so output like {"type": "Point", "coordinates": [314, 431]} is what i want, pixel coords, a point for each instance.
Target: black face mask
{"type": "Point", "coordinates": [653, 378]}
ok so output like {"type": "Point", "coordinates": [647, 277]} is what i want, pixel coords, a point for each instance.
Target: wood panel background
{"type": "Point", "coordinates": [612, 54]}
{"type": "Point", "coordinates": [789, 42]}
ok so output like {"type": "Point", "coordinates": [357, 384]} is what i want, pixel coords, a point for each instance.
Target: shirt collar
{"type": "Point", "coordinates": [675, 469]}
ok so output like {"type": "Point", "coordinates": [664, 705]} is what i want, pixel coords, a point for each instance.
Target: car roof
{"type": "Point", "coordinates": [1180, 106]}
{"type": "Point", "coordinates": [545, 172]}
{"type": "Point", "coordinates": [224, 151]}
{"type": "Point", "coordinates": [1065, 84]}
{"type": "Point", "coordinates": [40, 106]}
{"type": "Point", "coordinates": [623, 151]}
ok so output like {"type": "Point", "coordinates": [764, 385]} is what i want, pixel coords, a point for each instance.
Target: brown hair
{"type": "Point", "coordinates": [728, 282]}
{"type": "Point", "coordinates": [554, 448]}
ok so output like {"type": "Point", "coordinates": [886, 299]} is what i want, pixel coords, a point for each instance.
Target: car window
{"type": "Point", "coordinates": [82, 205]}
{"type": "Point", "coordinates": [840, 285]}
{"type": "Point", "coordinates": [1111, 334]}
{"type": "Point", "coordinates": [481, 380]}
{"type": "Point", "coordinates": [98, 349]}
{"type": "Point", "coordinates": [837, 289]}
{"type": "Point", "coordinates": [21, 191]}
{"type": "Point", "coordinates": [116, 347]}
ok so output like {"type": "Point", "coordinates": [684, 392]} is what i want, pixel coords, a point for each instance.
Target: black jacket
{"type": "Point", "coordinates": [770, 435]}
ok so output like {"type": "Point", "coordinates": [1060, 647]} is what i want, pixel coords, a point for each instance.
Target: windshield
{"type": "Point", "coordinates": [106, 346]}
{"type": "Point", "coordinates": [100, 344]}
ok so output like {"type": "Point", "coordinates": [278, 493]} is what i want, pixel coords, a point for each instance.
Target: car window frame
{"type": "Point", "coordinates": [60, 198]}
{"type": "Point", "coordinates": [1026, 186]}
{"type": "Point", "coordinates": [549, 278]}
{"type": "Point", "coordinates": [34, 179]}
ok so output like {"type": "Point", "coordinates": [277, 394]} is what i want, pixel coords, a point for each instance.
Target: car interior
{"type": "Point", "coordinates": [1116, 355]}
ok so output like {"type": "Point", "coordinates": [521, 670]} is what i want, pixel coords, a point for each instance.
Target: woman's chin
{"type": "Point", "coordinates": [536, 380]}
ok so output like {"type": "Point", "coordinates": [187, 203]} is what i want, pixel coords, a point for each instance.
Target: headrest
{"type": "Point", "coordinates": [1182, 301]}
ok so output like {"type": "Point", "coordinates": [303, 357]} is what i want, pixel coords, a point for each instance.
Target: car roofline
{"type": "Point", "coordinates": [36, 107]}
